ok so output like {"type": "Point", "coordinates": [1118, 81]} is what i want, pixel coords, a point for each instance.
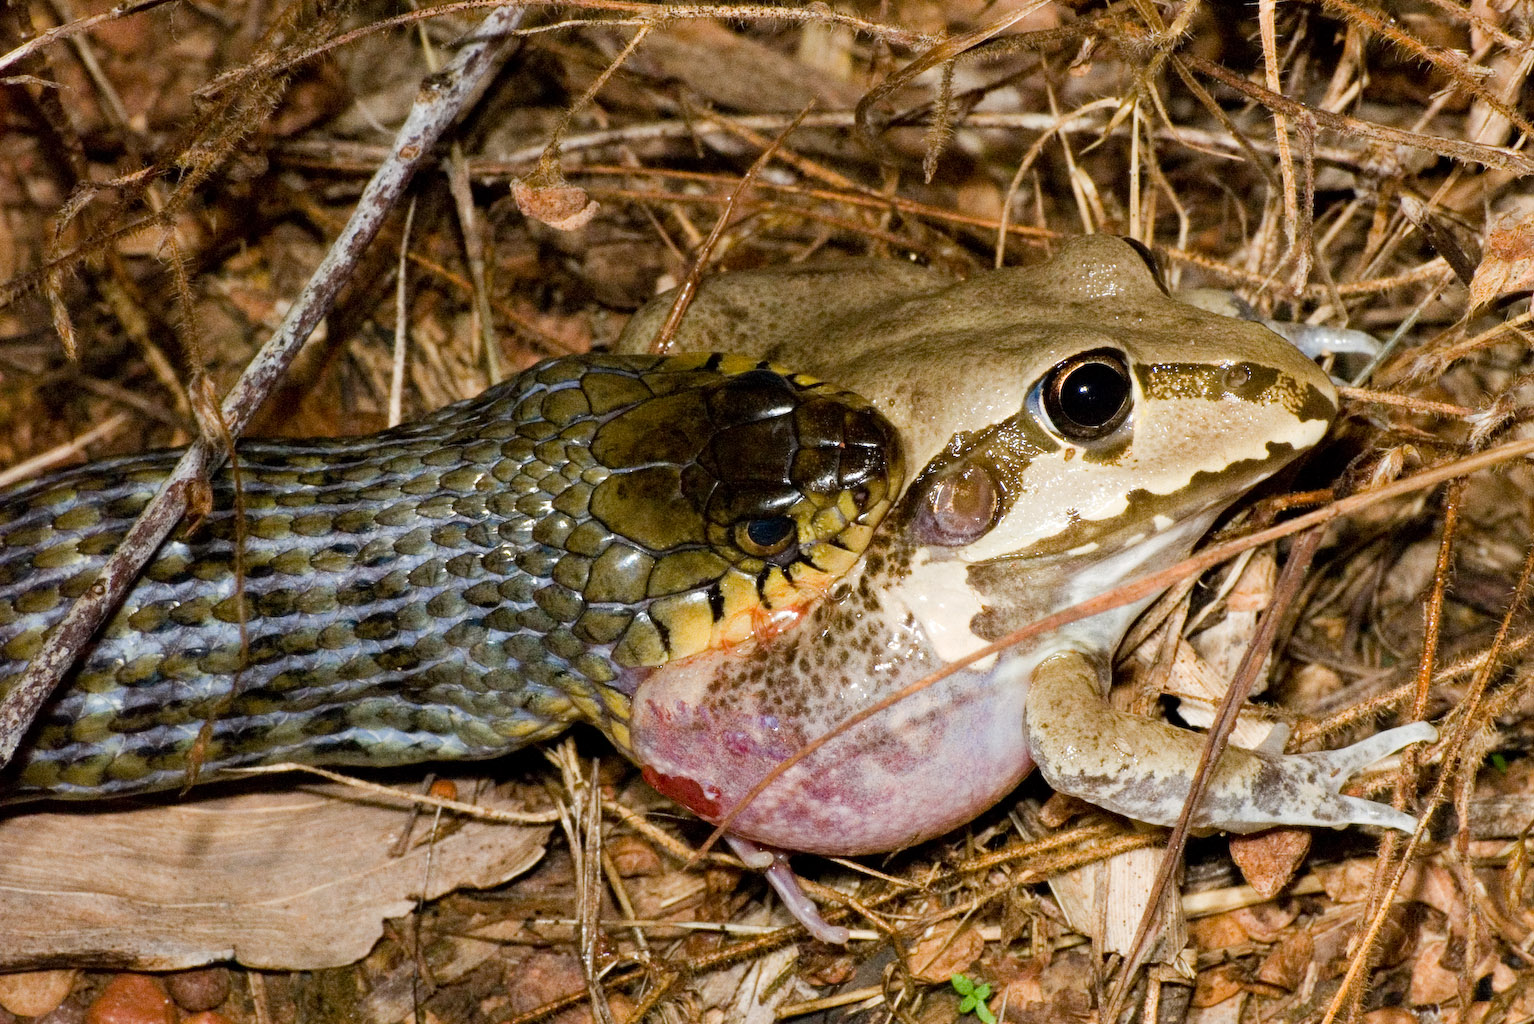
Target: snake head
{"type": "Point", "coordinates": [737, 494]}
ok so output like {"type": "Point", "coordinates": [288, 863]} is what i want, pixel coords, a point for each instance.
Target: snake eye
{"type": "Point", "coordinates": [1087, 396]}
{"type": "Point", "coordinates": [766, 537]}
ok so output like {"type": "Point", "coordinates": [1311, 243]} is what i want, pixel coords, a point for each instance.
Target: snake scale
{"type": "Point", "coordinates": [453, 588]}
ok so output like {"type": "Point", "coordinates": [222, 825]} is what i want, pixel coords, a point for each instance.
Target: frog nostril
{"type": "Point", "coordinates": [1236, 378]}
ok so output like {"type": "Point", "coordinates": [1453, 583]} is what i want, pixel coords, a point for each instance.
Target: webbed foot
{"type": "Point", "coordinates": [1143, 768]}
{"type": "Point", "coordinates": [773, 864]}
{"type": "Point", "coordinates": [1333, 768]}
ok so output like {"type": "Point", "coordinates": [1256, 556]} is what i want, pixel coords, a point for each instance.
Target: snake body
{"type": "Point", "coordinates": [453, 588]}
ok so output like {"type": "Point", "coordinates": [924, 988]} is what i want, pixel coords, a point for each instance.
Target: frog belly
{"type": "Point", "coordinates": [926, 766]}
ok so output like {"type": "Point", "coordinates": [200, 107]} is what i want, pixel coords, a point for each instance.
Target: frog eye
{"type": "Point", "coordinates": [765, 538]}
{"type": "Point", "coordinates": [958, 509]}
{"type": "Point", "coordinates": [1087, 396]}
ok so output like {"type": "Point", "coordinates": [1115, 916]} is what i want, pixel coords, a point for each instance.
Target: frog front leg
{"type": "Point", "coordinates": [1143, 768]}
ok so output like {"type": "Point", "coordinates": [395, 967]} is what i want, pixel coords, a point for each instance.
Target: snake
{"type": "Point", "coordinates": [454, 588]}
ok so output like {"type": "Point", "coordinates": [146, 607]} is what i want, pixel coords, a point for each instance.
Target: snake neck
{"type": "Point", "coordinates": [447, 589]}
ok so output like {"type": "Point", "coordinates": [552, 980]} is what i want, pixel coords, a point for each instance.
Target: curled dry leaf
{"type": "Point", "coordinates": [1218, 984]}
{"type": "Point", "coordinates": [1285, 967]}
{"type": "Point", "coordinates": [1508, 265]}
{"type": "Point", "coordinates": [560, 205]}
{"type": "Point", "coordinates": [1266, 922]}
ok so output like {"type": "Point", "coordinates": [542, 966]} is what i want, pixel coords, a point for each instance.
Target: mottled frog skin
{"type": "Point", "coordinates": [1078, 428]}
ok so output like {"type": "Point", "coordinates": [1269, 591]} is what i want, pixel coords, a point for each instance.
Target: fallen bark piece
{"type": "Point", "coordinates": [297, 879]}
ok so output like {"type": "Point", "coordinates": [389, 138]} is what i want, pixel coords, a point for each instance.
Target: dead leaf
{"type": "Point", "coordinates": [1431, 982]}
{"type": "Point", "coordinates": [1285, 967]}
{"type": "Point", "coordinates": [949, 949]}
{"type": "Point", "coordinates": [561, 206]}
{"type": "Point", "coordinates": [1266, 922]}
{"type": "Point", "coordinates": [1347, 882]}
{"type": "Point", "coordinates": [1434, 885]}
{"type": "Point", "coordinates": [294, 879]}
{"type": "Point", "coordinates": [1105, 902]}
{"type": "Point", "coordinates": [1019, 984]}
{"type": "Point", "coordinates": [633, 857]}
{"type": "Point", "coordinates": [1217, 931]}
{"type": "Point", "coordinates": [1060, 808]}
{"type": "Point", "coordinates": [1218, 984]}
{"type": "Point", "coordinates": [1268, 860]}
{"type": "Point", "coordinates": [1508, 265]}
{"type": "Point", "coordinates": [1390, 1015]}
{"type": "Point", "coordinates": [732, 71]}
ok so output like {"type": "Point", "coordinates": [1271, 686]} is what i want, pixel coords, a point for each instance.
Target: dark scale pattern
{"type": "Point", "coordinates": [453, 588]}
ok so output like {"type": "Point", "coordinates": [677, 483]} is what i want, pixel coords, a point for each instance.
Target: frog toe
{"type": "Point", "coordinates": [1357, 811]}
{"type": "Point", "coordinates": [1303, 789]}
{"type": "Point", "coordinates": [774, 866]}
{"type": "Point", "coordinates": [1332, 768]}
{"type": "Point", "coordinates": [1341, 765]}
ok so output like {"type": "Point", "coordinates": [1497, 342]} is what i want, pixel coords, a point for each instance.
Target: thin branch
{"type": "Point", "coordinates": [1499, 157]}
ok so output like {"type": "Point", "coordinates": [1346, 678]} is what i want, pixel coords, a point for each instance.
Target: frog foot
{"type": "Point", "coordinates": [773, 864]}
{"type": "Point", "coordinates": [1327, 770]}
{"type": "Point", "coordinates": [1143, 768]}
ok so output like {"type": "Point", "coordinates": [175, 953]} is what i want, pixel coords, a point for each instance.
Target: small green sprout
{"type": "Point", "coordinates": [1499, 763]}
{"type": "Point", "coordinates": [974, 998]}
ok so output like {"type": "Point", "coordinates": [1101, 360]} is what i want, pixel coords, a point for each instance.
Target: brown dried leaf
{"type": "Point", "coordinates": [1285, 966]}
{"type": "Point", "coordinates": [949, 949]}
{"type": "Point", "coordinates": [1434, 885]}
{"type": "Point", "coordinates": [1218, 984]}
{"type": "Point", "coordinates": [561, 206]}
{"type": "Point", "coordinates": [1218, 931]}
{"type": "Point", "coordinates": [1266, 922]}
{"type": "Point", "coordinates": [1347, 882]}
{"type": "Point", "coordinates": [1431, 982]}
{"type": "Point", "coordinates": [1060, 808]}
{"type": "Point", "coordinates": [296, 879]}
{"type": "Point", "coordinates": [1390, 1015]}
{"type": "Point", "coordinates": [1508, 265]}
{"type": "Point", "coordinates": [1268, 860]}
{"type": "Point", "coordinates": [634, 857]}
{"type": "Point", "coordinates": [1019, 983]}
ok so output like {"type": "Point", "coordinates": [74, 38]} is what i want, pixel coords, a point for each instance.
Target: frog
{"type": "Point", "coordinates": [1074, 426]}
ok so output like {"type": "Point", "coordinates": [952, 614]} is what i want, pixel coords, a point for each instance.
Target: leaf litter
{"type": "Point", "coordinates": [171, 173]}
